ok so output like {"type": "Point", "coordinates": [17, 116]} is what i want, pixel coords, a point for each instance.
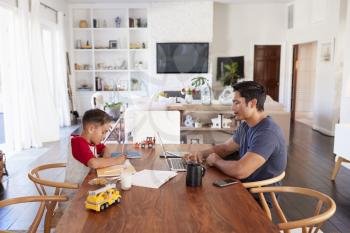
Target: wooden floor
{"type": "Point", "coordinates": [310, 162]}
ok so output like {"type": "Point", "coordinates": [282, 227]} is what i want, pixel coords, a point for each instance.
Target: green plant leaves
{"type": "Point", "coordinates": [230, 75]}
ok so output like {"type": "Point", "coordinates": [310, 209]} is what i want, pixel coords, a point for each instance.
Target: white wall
{"type": "Point", "coordinates": [238, 27]}
{"type": "Point", "coordinates": [178, 22]}
{"type": "Point", "coordinates": [306, 77]}
{"type": "Point", "coordinates": [345, 96]}
{"type": "Point", "coordinates": [322, 26]}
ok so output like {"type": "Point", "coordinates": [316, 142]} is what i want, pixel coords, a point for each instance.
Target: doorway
{"type": "Point", "coordinates": [303, 82]}
{"type": "Point", "coordinates": [267, 68]}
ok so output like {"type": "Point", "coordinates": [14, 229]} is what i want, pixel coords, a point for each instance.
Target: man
{"type": "Point", "coordinates": [258, 139]}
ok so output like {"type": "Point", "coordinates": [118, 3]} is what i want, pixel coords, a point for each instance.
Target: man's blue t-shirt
{"type": "Point", "coordinates": [267, 140]}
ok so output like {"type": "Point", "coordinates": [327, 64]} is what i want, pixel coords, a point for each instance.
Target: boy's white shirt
{"type": "Point", "coordinates": [75, 170]}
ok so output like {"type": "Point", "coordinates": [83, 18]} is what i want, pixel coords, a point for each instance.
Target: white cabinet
{"type": "Point", "coordinates": [109, 49]}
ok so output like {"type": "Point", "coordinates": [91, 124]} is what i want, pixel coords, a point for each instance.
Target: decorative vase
{"type": "Point", "coordinates": [83, 24]}
{"type": "Point", "coordinates": [188, 98]}
{"type": "Point", "coordinates": [205, 95]}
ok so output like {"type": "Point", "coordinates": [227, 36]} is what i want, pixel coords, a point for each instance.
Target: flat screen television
{"type": "Point", "coordinates": [182, 57]}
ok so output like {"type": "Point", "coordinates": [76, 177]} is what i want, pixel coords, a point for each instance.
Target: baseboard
{"type": "Point", "coordinates": [323, 130]}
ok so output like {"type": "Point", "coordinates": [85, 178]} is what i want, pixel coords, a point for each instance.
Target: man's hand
{"type": "Point", "coordinates": [212, 158]}
{"type": "Point", "coordinates": [197, 157]}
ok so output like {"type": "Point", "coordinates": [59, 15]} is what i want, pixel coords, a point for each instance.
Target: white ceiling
{"type": "Point", "coordinates": [146, 1]}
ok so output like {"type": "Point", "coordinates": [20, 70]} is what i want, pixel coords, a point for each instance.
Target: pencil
{"type": "Point", "coordinates": [123, 149]}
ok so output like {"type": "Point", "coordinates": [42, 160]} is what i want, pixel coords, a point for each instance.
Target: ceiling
{"type": "Point", "coordinates": [147, 1]}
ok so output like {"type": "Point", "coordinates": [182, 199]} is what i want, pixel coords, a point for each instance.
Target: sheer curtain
{"type": "Point", "coordinates": [32, 111]}
{"type": "Point", "coordinates": [61, 94]}
{"type": "Point", "coordinates": [21, 124]}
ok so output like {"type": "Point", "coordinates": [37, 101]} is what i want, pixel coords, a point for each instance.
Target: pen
{"type": "Point", "coordinates": [123, 149]}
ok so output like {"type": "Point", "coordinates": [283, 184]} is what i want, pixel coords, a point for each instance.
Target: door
{"type": "Point", "coordinates": [294, 80]}
{"type": "Point", "coordinates": [267, 68]}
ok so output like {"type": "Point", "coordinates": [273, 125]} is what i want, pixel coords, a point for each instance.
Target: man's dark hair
{"type": "Point", "coordinates": [250, 90]}
{"type": "Point", "coordinates": [96, 116]}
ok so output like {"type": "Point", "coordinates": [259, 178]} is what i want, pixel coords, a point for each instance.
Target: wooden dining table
{"type": "Point", "coordinates": [174, 207]}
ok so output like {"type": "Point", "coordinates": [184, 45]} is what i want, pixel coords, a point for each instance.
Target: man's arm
{"type": "Point", "coordinates": [240, 169]}
{"type": "Point", "coordinates": [223, 150]}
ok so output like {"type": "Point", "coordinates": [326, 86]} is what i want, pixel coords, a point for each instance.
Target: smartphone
{"type": "Point", "coordinates": [225, 182]}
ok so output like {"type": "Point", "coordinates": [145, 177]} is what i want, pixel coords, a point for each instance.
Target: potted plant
{"type": "Point", "coordinates": [230, 76]}
{"type": "Point", "coordinates": [203, 83]}
{"type": "Point", "coordinates": [113, 109]}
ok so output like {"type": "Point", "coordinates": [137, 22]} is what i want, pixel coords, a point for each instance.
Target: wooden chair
{"type": "Point", "coordinates": [41, 184]}
{"type": "Point", "coordinates": [266, 182]}
{"type": "Point", "coordinates": [337, 165]}
{"type": "Point", "coordinates": [44, 200]}
{"type": "Point", "coordinates": [308, 224]}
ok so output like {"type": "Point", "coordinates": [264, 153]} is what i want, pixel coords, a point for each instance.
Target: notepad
{"type": "Point", "coordinates": [116, 170]}
{"type": "Point", "coordinates": [152, 178]}
{"type": "Point", "coordinates": [130, 154]}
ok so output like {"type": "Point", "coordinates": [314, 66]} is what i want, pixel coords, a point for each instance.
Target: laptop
{"type": "Point", "coordinates": [174, 160]}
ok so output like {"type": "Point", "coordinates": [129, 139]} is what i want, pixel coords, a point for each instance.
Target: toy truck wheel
{"type": "Point", "coordinates": [102, 207]}
{"type": "Point", "coordinates": [118, 200]}
{"type": "Point", "coordinates": [106, 205]}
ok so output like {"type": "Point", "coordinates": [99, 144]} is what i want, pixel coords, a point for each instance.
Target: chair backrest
{"type": "Point", "coordinates": [42, 199]}
{"type": "Point", "coordinates": [266, 182]}
{"type": "Point", "coordinates": [307, 224]}
{"type": "Point", "coordinates": [40, 183]}
{"type": "Point", "coordinates": [148, 123]}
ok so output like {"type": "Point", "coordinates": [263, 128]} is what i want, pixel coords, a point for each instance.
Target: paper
{"type": "Point", "coordinates": [152, 178]}
{"type": "Point", "coordinates": [116, 170]}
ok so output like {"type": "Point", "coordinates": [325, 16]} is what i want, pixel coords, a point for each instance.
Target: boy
{"type": "Point", "coordinates": [87, 150]}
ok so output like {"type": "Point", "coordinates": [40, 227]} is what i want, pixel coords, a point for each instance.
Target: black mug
{"type": "Point", "coordinates": [194, 175]}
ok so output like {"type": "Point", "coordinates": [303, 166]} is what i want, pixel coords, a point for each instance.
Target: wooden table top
{"type": "Point", "coordinates": [173, 207]}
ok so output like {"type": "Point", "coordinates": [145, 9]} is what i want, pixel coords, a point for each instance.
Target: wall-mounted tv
{"type": "Point", "coordinates": [182, 57]}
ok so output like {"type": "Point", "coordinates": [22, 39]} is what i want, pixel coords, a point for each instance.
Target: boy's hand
{"type": "Point", "coordinates": [122, 158]}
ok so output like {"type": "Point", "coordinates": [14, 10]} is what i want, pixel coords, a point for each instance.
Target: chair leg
{"type": "Point", "coordinates": [337, 167]}
{"type": "Point", "coordinates": [48, 217]}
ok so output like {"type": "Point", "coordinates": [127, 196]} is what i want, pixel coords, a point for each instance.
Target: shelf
{"type": "Point", "coordinates": [110, 29]}
{"type": "Point", "coordinates": [140, 70]}
{"type": "Point", "coordinates": [111, 50]}
{"type": "Point", "coordinates": [105, 53]}
{"type": "Point", "coordinates": [230, 130]}
{"type": "Point", "coordinates": [144, 50]}
{"type": "Point", "coordinates": [82, 29]}
{"type": "Point", "coordinates": [82, 50]}
{"type": "Point", "coordinates": [83, 71]}
{"type": "Point", "coordinates": [138, 29]}
{"type": "Point", "coordinates": [111, 71]}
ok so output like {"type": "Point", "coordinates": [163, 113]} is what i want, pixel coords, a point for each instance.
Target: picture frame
{"type": "Point", "coordinates": [194, 139]}
{"type": "Point", "coordinates": [113, 44]}
{"type": "Point", "coordinates": [326, 52]}
{"type": "Point", "coordinates": [221, 61]}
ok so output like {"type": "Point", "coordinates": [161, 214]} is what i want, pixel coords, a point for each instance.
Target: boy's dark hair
{"type": "Point", "coordinates": [250, 90]}
{"type": "Point", "coordinates": [96, 116]}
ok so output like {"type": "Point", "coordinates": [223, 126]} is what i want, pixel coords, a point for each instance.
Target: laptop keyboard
{"type": "Point", "coordinates": [177, 163]}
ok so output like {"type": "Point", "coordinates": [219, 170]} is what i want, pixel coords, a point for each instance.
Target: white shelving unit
{"type": "Point", "coordinates": [115, 52]}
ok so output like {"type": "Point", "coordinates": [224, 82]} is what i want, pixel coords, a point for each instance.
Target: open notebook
{"type": "Point", "coordinates": [116, 170]}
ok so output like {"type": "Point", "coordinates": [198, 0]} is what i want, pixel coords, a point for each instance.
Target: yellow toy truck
{"type": "Point", "coordinates": [102, 198]}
